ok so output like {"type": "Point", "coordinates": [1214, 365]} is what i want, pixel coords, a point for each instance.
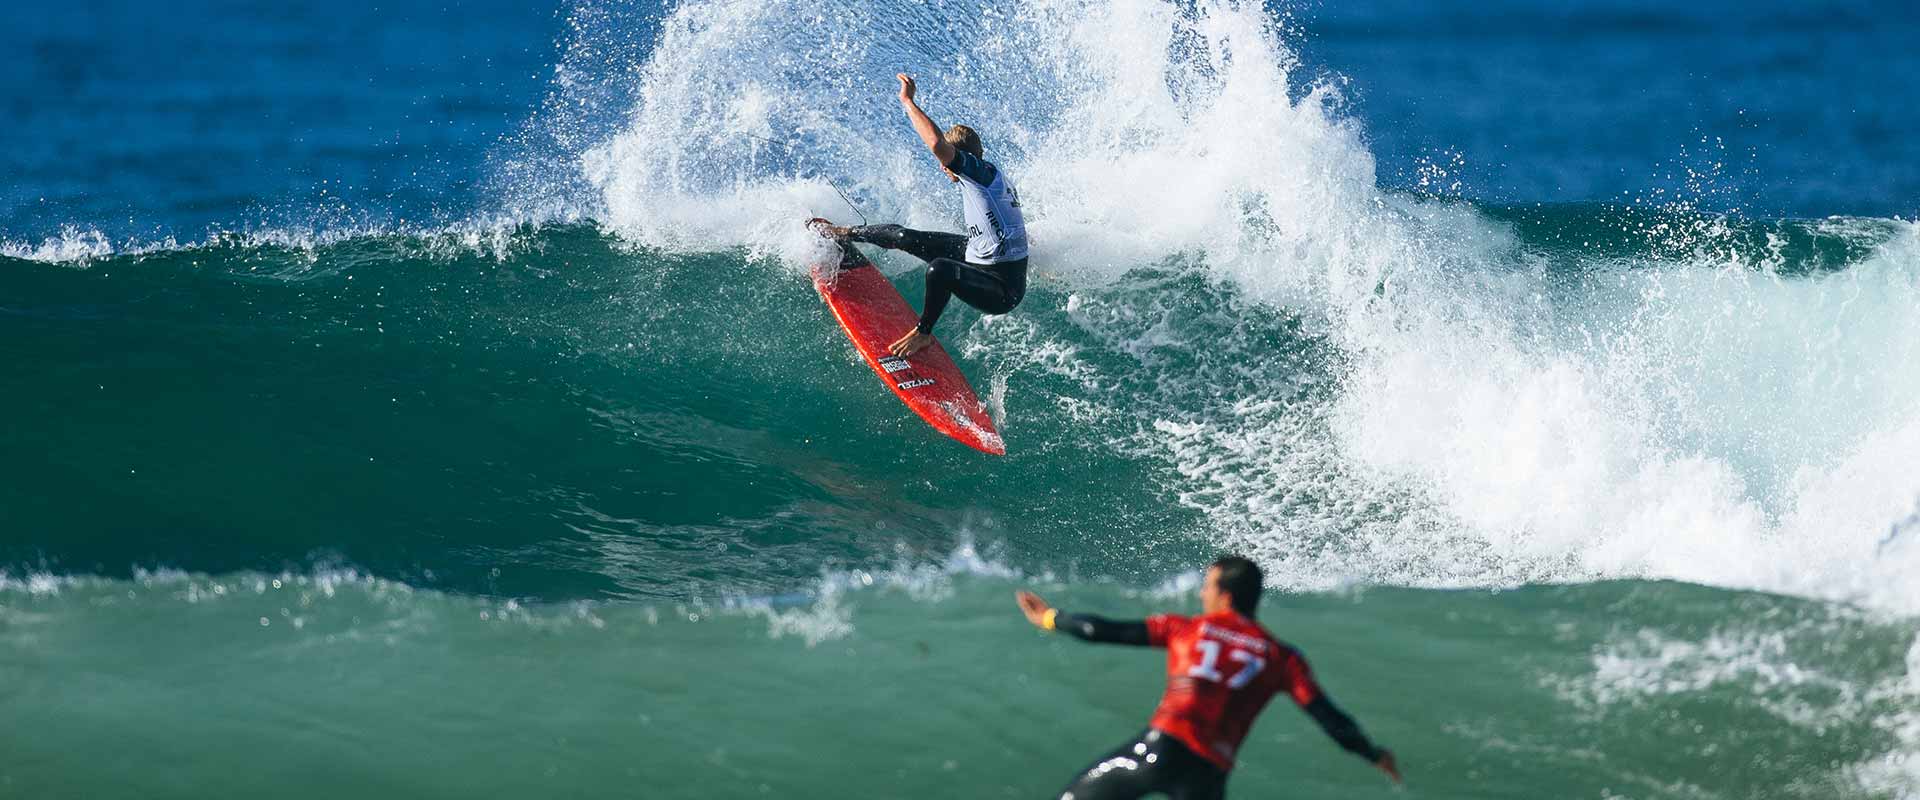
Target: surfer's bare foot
{"type": "Point", "coordinates": [913, 342]}
{"type": "Point", "coordinates": [825, 227]}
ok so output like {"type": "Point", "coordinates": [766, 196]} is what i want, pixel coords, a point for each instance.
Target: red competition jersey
{"type": "Point", "coordinates": [1222, 668]}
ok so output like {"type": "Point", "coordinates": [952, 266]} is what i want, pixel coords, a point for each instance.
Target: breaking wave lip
{"type": "Point", "coordinates": [498, 238]}
{"type": "Point", "coordinates": [77, 245]}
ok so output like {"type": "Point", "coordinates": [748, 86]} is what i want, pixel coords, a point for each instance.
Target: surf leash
{"type": "Point", "coordinates": [830, 184]}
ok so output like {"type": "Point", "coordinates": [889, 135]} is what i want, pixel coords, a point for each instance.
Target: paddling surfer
{"type": "Point", "coordinates": [1222, 668]}
{"type": "Point", "coordinates": [987, 266]}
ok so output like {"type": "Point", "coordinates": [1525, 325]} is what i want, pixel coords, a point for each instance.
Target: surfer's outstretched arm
{"type": "Point", "coordinates": [1085, 627]}
{"type": "Point", "coordinates": [1335, 723]}
{"type": "Point", "coordinates": [923, 124]}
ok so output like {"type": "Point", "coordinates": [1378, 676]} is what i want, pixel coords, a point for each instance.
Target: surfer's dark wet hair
{"type": "Point", "coordinates": [965, 140]}
{"type": "Point", "coordinates": [1240, 579]}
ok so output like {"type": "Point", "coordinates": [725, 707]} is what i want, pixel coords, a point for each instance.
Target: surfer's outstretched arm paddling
{"type": "Point", "coordinates": [1222, 668]}
{"type": "Point", "coordinates": [987, 267]}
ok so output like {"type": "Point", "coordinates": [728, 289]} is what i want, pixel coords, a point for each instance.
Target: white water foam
{"type": "Point", "coordinates": [826, 612]}
{"type": "Point", "coordinates": [1897, 773]}
{"type": "Point", "coordinates": [496, 237]}
{"type": "Point", "coordinates": [1707, 422]}
{"type": "Point", "coordinates": [1790, 672]}
{"type": "Point", "coordinates": [1649, 664]}
{"type": "Point", "coordinates": [75, 245]}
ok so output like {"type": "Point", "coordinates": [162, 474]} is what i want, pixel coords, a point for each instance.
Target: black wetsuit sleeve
{"type": "Point", "coordinates": [1090, 628]}
{"type": "Point", "coordinates": [1341, 727]}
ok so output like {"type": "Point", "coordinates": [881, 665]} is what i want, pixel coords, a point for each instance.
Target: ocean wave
{"type": "Point", "coordinates": [1352, 384]}
{"type": "Point", "coordinates": [1802, 694]}
{"type": "Point", "coordinates": [488, 237]}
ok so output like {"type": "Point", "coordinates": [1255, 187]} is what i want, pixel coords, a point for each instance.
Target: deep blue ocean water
{"type": "Point", "coordinates": [141, 121]}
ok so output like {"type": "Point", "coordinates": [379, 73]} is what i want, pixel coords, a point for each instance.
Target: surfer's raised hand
{"type": "Point", "coordinates": [922, 124]}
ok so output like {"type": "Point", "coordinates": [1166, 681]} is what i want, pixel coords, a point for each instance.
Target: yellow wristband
{"type": "Point", "coordinates": [1047, 620]}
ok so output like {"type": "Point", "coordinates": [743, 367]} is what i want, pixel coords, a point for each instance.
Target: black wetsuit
{"type": "Point", "coordinates": [1157, 762]}
{"type": "Point", "coordinates": [992, 288]}
{"type": "Point", "coordinates": [1151, 762]}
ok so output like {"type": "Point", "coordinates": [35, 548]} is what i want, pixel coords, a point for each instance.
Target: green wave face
{"type": "Point", "coordinates": [567, 419]}
{"type": "Point", "coordinates": [559, 415]}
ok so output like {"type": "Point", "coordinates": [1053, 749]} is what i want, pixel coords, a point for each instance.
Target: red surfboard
{"type": "Point", "coordinates": [874, 314]}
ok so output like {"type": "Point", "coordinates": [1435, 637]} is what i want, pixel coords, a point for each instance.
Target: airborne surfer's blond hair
{"type": "Point", "coordinates": [965, 140]}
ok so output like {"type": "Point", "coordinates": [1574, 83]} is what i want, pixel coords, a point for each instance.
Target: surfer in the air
{"type": "Point", "coordinates": [1222, 668]}
{"type": "Point", "coordinates": [987, 267]}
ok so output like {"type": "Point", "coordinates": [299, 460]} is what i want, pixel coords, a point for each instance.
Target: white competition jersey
{"type": "Point", "coordinates": [996, 232]}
